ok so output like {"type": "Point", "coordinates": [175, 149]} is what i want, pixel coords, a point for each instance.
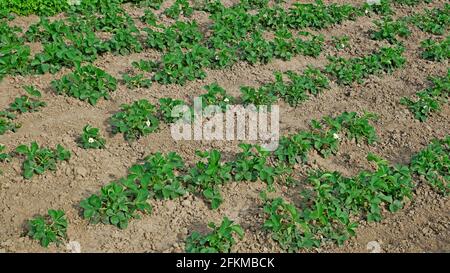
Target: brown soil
{"type": "Point", "coordinates": [423, 226]}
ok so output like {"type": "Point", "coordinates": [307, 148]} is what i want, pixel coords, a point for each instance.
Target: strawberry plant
{"type": "Point", "coordinates": [145, 65]}
{"type": "Point", "coordinates": [40, 159]}
{"type": "Point", "coordinates": [56, 55]}
{"type": "Point", "coordinates": [318, 15]}
{"type": "Point", "coordinates": [388, 29]}
{"type": "Point", "coordinates": [434, 50]}
{"type": "Point", "coordinates": [51, 228]}
{"type": "Point", "coordinates": [178, 8]}
{"type": "Point", "coordinates": [86, 83]}
{"type": "Point", "coordinates": [154, 4]}
{"type": "Point", "coordinates": [207, 176]}
{"type": "Point", "coordinates": [6, 124]}
{"type": "Point", "coordinates": [91, 139]}
{"type": "Point", "coordinates": [434, 21]}
{"type": "Point", "coordinates": [220, 240]}
{"type": "Point", "coordinates": [166, 105]}
{"type": "Point", "coordinates": [258, 96]}
{"type": "Point", "coordinates": [430, 99]}
{"type": "Point", "coordinates": [324, 136]}
{"type": "Point", "coordinates": [179, 67]}
{"type": "Point", "coordinates": [256, 50]}
{"type": "Point", "coordinates": [136, 81]}
{"type": "Point", "coordinates": [158, 174]}
{"type": "Point", "coordinates": [299, 87]}
{"type": "Point", "coordinates": [25, 104]}
{"type": "Point", "coordinates": [433, 163]}
{"type": "Point", "coordinates": [39, 7]}
{"type": "Point", "coordinates": [252, 164]}
{"type": "Point", "coordinates": [115, 205]}
{"type": "Point", "coordinates": [4, 157]}
{"type": "Point", "coordinates": [124, 42]}
{"type": "Point", "coordinates": [149, 18]}
{"type": "Point", "coordinates": [355, 69]}
{"type": "Point", "coordinates": [216, 96]}
{"type": "Point", "coordinates": [283, 220]}
{"type": "Point", "coordinates": [340, 42]}
{"type": "Point", "coordinates": [135, 120]}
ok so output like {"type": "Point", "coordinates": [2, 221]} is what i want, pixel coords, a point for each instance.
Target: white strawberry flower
{"type": "Point", "coordinates": [336, 136]}
{"type": "Point", "coordinates": [148, 123]}
{"type": "Point", "coordinates": [91, 140]}
{"type": "Point", "coordinates": [226, 100]}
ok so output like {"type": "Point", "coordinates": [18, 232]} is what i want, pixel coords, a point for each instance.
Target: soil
{"type": "Point", "coordinates": [422, 226]}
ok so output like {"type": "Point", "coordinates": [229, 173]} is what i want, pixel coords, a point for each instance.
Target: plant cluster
{"type": "Point", "coordinates": [436, 50]}
{"type": "Point", "coordinates": [40, 159]}
{"type": "Point", "coordinates": [91, 139]}
{"type": "Point", "coordinates": [430, 99]}
{"type": "Point", "coordinates": [325, 136]}
{"type": "Point", "coordinates": [135, 120]}
{"type": "Point", "coordinates": [220, 240]}
{"type": "Point", "coordinates": [22, 104]}
{"type": "Point", "coordinates": [330, 203]}
{"type": "Point", "coordinates": [86, 83]}
{"type": "Point", "coordinates": [51, 228]}
{"type": "Point", "coordinates": [347, 71]}
{"type": "Point", "coordinates": [389, 29]}
{"type": "Point", "coordinates": [433, 163]}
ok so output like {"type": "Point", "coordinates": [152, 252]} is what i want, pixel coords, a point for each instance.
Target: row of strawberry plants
{"type": "Point", "coordinates": [430, 99]}
{"type": "Point", "coordinates": [167, 177]}
{"type": "Point", "coordinates": [69, 44]}
{"type": "Point", "coordinates": [329, 210]}
{"type": "Point", "coordinates": [331, 205]}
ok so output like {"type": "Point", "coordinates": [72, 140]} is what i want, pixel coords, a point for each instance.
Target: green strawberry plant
{"type": "Point", "coordinates": [91, 139]}
{"type": "Point", "coordinates": [216, 96]}
{"type": "Point", "coordinates": [166, 106]}
{"type": "Point", "coordinates": [252, 164]}
{"type": "Point", "coordinates": [24, 104]}
{"type": "Point", "coordinates": [434, 21]}
{"type": "Point", "coordinates": [436, 50]}
{"type": "Point", "coordinates": [4, 157]}
{"type": "Point", "coordinates": [149, 18]}
{"type": "Point", "coordinates": [258, 96]}
{"type": "Point", "coordinates": [136, 81]}
{"type": "Point", "coordinates": [433, 163]}
{"type": "Point", "coordinates": [340, 42]}
{"type": "Point", "coordinates": [135, 120]}
{"type": "Point", "coordinates": [388, 29]}
{"type": "Point", "coordinates": [40, 159]}
{"type": "Point", "coordinates": [208, 176]}
{"type": "Point", "coordinates": [115, 205]}
{"type": "Point", "coordinates": [86, 83]}
{"type": "Point", "coordinates": [178, 8]}
{"type": "Point", "coordinates": [347, 71]}
{"type": "Point", "coordinates": [145, 65]}
{"type": "Point", "coordinates": [159, 174]}
{"type": "Point", "coordinates": [51, 228]}
{"type": "Point", "coordinates": [220, 240]}
{"type": "Point", "coordinates": [6, 123]}
{"type": "Point", "coordinates": [430, 99]}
